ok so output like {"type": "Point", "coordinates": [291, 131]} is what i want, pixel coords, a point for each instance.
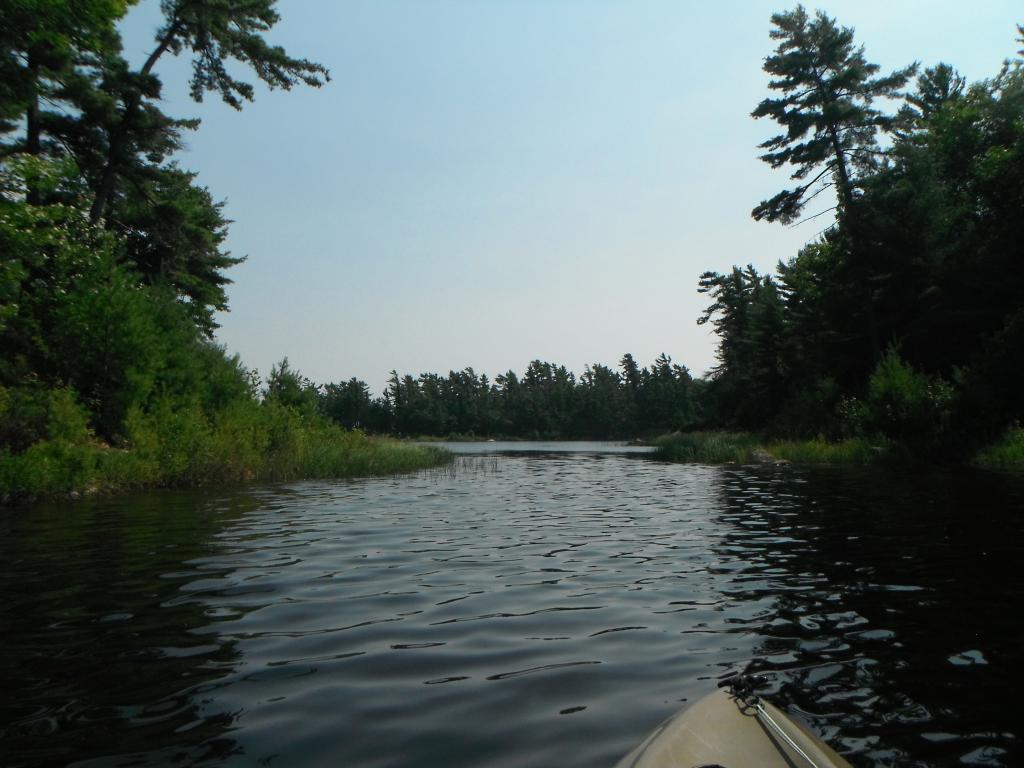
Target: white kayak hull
{"type": "Point", "coordinates": [724, 730]}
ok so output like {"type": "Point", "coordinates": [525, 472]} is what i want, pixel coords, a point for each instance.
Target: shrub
{"type": "Point", "coordinates": [909, 407]}
{"type": "Point", "coordinates": [809, 413]}
{"type": "Point", "coordinates": [1007, 453]}
{"type": "Point", "coordinates": [62, 459]}
{"type": "Point", "coordinates": [24, 415]}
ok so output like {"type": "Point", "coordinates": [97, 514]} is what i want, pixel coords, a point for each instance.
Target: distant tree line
{"type": "Point", "coordinates": [906, 316]}
{"type": "Point", "coordinates": [548, 401]}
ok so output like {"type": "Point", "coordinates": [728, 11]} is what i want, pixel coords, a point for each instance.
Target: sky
{"type": "Point", "coordinates": [488, 182]}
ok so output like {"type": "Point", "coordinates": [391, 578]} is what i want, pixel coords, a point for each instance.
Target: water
{"type": "Point", "coordinates": [519, 609]}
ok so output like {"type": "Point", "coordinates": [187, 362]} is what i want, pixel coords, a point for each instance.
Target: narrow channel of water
{"type": "Point", "coordinates": [530, 608]}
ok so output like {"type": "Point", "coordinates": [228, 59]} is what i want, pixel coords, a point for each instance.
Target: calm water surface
{"type": "Point", "coordinates": [520, 609]}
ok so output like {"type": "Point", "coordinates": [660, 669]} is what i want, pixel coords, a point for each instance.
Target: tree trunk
{"type": "Point", "coordinates": [850, 215]}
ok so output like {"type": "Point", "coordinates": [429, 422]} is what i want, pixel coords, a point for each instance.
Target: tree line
{"type": "Point", "coordinates": [546, 402]}
{"type": "Point", "coordinates": [905, 317]}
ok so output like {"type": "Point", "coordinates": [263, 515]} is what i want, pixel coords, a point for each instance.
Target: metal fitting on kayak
{"type": "Point", "coordinates": [733, 727]}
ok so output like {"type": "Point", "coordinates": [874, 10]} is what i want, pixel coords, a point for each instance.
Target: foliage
{"type": "Point", "coordinates": [747, 316]}
{"type": "Point", "coordinates": [547, 402]}
{"type": "Point", "coordinates": [810, 411]}
{"type": "Point", "coordinates": [744, 448]}
{"type": "Point", "coordinates": [707, 447]}
{"type": "Point", "coordinates": [111, 267]}
{"type": "Point", "coordinates": [924, 257]}
{"type": "Point", "coordinates": [289, 388]}
{"type": "Point", "coordinates": [906, 406]}
{"type": "Point", "coordinates": [848, 451]}
{"type": "Point", "coordinates": [174, 446]}
{"type": "Point", "coordinates": [349, 404]}
{"type": "Point", "coordinates": [190, 437]}
{"type": "Point", "coordinates": [826, 108]}
{"type": "Point", "coordinates": [1005, 453]}
{"type": "Point", "coordinates": [66, 82]}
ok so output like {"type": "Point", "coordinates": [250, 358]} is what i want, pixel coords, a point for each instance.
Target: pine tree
{"type": "Point", "coordinates": [828, 91]}
{"type": "Point", "coordinates": [216, 32]}
{"type": "Point", "coordinates": [826, 108]}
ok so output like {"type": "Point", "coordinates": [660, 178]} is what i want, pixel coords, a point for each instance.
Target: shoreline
{"type": "Point", "coordinates": [722, 447]}
{"type": "Point", "coordinates": [52, 470]}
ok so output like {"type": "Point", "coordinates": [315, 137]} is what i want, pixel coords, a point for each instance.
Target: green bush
{"type": "Point", "coordinates": [743, 448]}
{"type": "Point", "coordinates": [1007, 453]}
{"type": "Point", "coordinates": [810, 412]}
{"type": "Point", "coordinates": [24, 415]}
{"type": "Point", "coordinates": [909, 407]}
{"type": "Point", "coordinates": [177, 444]}
{"type": "Point", "coordinates": [62, 459]}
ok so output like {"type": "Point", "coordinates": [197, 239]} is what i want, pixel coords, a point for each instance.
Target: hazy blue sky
{"type": "Point", "coordinates": [485, 182]}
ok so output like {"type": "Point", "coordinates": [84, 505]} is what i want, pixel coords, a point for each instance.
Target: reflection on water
{"type": "Point", "coordinates": [543, 446]}
{"type": "Point", "coordinates": [527, 609]}
{"type": "Point", "coordinates": [98, 652]}
{"type": "Point", "coordinates": [894, 622]}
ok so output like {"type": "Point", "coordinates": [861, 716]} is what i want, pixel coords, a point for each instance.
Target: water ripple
{"type": "Point", "coordinates": [457, 618]}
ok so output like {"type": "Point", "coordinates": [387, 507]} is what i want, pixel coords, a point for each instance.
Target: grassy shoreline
{"type": "Point", "coordinates": [57, 468]}
{"type": "Point", "coordinates": [744, 448]}
{"type": "Point", "coordinates": [719, 447]}
{"type": "Point", "coordinates": [1006, 454]}
{"type": "Point", "coordinates": [219, 455]}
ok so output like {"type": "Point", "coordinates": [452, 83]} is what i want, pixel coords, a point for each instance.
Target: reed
{"type": "Point", "coordinates": [706, 447]}
{"type": "Point", "coordinates": [1006, 454]}
{"type": "Point", "coordinates": [745, 448]}
{"type": "Point", "coordinates": [185, 448]}
{"type": "Point", "coordinates": [849, 451]}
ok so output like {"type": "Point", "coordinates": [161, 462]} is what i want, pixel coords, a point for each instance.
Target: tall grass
{"type": "Point", "coordinates": [849, 451]}
{"type": "Point", "coordinates": [744, 448]}
{"type": "Point", "coordinates": [1007, 453]}
{"type": "Point", "coordinates": [706, 447]}
{"type": "Point", "coordinates": [178, 446]}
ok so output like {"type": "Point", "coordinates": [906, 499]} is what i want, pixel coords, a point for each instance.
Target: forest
{"type": "Point", "coordinates": [547, 402]}
{"type": "Point", "coordinates": [899, 324]}
{"type": "Point", "coordinates": [112, 263]}
{"type": "Point", "coordinates": [905, 318]}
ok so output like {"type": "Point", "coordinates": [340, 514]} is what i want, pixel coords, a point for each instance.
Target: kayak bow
{"type": "Point", "coordinates": [732, 728]}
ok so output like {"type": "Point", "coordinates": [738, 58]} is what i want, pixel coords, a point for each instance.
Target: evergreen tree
{"type": "Point", "coordinates": [936, 86]}
{"type": "Point", "coordinates": [826, 108]}
{"type": "Point", "coordinates": [348, 403]}
{"type": "Point", "coordinates": [215, 32]}
{"type": "Point", "coordinates": [66, 90]}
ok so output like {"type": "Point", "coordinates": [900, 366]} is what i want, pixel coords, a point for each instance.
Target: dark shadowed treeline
{"type": "Point", "coordinates": [905, 317]}
{"type": "Point", "coordinates": [547, 401]}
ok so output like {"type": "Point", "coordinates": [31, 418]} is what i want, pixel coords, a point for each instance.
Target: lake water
{"type": "Point", "coordinates": [542, 607]}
